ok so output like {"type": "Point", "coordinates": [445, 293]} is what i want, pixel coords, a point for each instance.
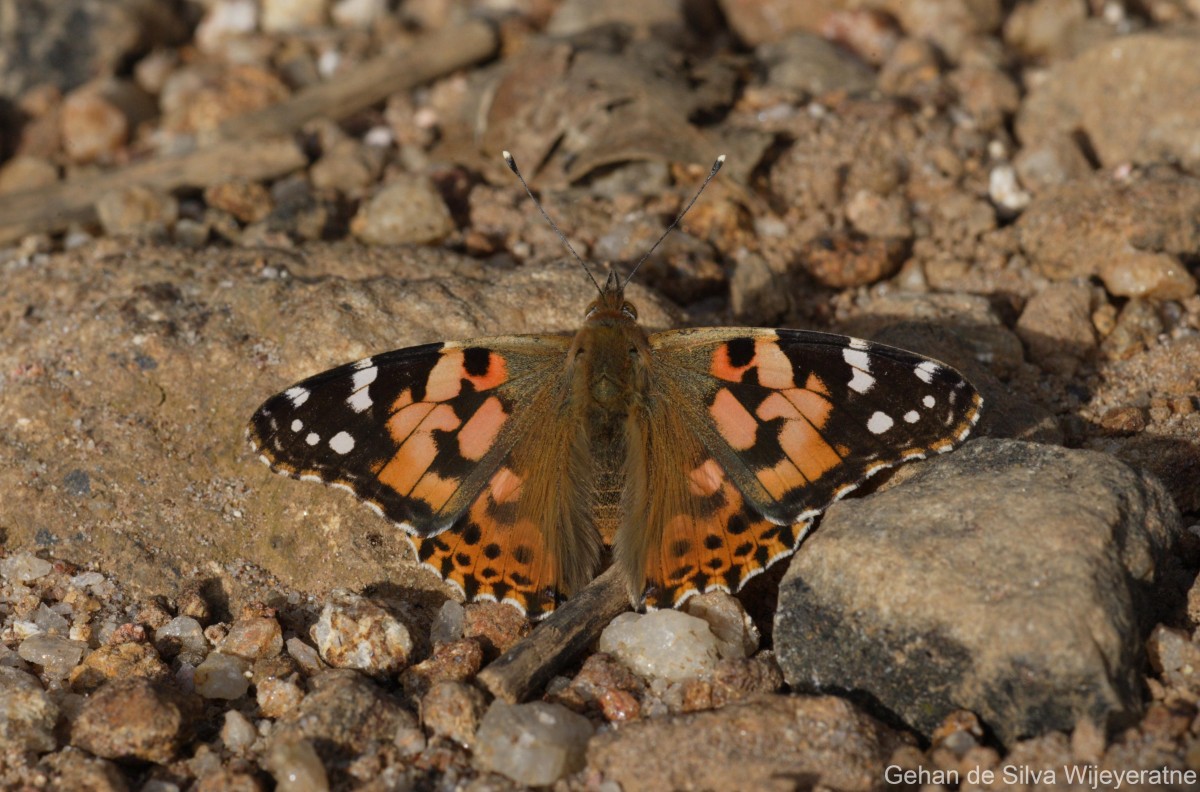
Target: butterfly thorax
{"type": "Point", "coordinates": [608, 366]}
{"type": "Point", "coordinates": [609, 359]}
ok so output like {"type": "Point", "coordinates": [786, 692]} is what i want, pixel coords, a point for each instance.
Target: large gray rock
{"type": "Point", "coordinates": [1011, 579]}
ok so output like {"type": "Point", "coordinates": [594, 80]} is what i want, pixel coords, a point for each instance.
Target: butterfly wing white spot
{"type": "Point", "coordinates": [360, 400]}
{"type": "Point", "coordinates": [360, 394]}
{"type": "Point", "coordinates": [929, 401]}
{"type": "Point", "coordinates": [926, 370]}
{"type": "Point", "coordinates": [297, 425]}
{"type": "Point", "coordinates": [879, 423]}
{"type": "Point", "coordinates": [342, 443]}
{"type": "Point", "coordinates": [364, 377]}
{"type": "Point", "coordinates": [862, 382]}
{"type": "Point", "coordinates": [857, 358]}
{"type": "Point", "coordinates": [297, 395]}
{"type": "Point", "coordinates": [912, 416]}
{"type": "Point", "coordinates": [313, 438]}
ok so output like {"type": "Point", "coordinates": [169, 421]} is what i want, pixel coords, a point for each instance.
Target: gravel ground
{"type": "Point", "coordinates": [1011, 187]}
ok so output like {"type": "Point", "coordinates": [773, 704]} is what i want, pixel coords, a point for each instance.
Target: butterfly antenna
{"type": "Point", "coordinates": [512, 166]}
{"type": "Point", "coordinates": [716, 167]}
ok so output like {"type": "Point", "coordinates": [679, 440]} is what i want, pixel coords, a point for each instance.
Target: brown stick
{"type": "Point", "coordinates": [429, 57]}
{"type": "Point", "coordinates": [243, 154]}
{"type": "Point", "coordinates": [531, 662]}
{"type": "Point", "coordinates": [53, 208]}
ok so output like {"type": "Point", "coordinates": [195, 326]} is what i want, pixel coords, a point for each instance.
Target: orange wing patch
{"type": "Point", "coordinates": [446, 429]}
{"type": "Point", "coordinates": [493, 553]}
{"type": "Point", "coordinates": [720, 542]}
{"type": "Point", "coordinates": [689, 529]}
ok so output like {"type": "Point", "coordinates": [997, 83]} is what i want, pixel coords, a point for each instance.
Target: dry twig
{"type": "Point", "coordinates": [245, 152]}
{"type": "Point", "coordinates": [565, 633]}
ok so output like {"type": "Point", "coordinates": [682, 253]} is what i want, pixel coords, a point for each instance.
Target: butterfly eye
{"type": "Point", "coordinates": [629, 310]}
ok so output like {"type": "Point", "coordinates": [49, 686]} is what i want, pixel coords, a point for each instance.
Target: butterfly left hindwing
{"type": "Point", "coordinates": [765, 429]}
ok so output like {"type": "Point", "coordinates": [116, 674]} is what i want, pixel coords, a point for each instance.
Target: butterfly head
{"type": "Point", "coordinates": [611, 304]}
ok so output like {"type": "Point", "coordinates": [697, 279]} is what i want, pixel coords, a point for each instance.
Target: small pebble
{"type": "Point", "coordinates": [158, 785]}
{"type": "Point", "coordinates": [1005, 190]}
{"type": "Point", "coordinates": [182, 637]}
{"type": "Point", "coordinates": [1174, 656]}
{"type": "Point", "coordinates": [1087, 741]}
{"type": "Point", "coordinates": [736, 635]}
{"type": "Point", "coordinates": [1141, 274]}
{"type": "Point", "coordinates": [26, 173]}
{"type": "Point", "coordinates": [92, 127]}
{"type": "Point", "coordinates": [191, 233]}
{"type": "Point", "coordinates": [56, 655]}
{"type": "Point", "coordinates": [665, 644]}
{"type": "Point", "coordinates": [280, 666]}
{"type": "Point", "coordinates": [296, 767]}
{"type": "Point", "coordinates": [878, 215]}
{"type": "Point", "coordinates": [27, 715]}
{"type": "Point", "coordinates": [89, 580]}
{"type": "Point", "coordinates": [354, 632]}
{"type": "Point", "coordinates": [24, 567]}
{"type": "Point", "coordinates": [277, 697]}
{"type": "Point", "coordinates": [137, 211]}
{"type": "Point", "coordinates": [448, 624]}
{"type": "Point", "coordinates": [1127, 420]}
{"type": "Point", "coordinates": [348, 167]}
{"type": "Point", "coordinates": [407, 210]}
{"type": "Point", "coordinates": [238, 733]}
{"type": "Point", "coordinates": [50, 622]}
{"type": "Point", "coordinates": [221, 676]}
{"type": "Point", "coordinates": [495, 625]}
{"type": "Point", "coordinates": [226, 19]}
{"type": "Point", "coordinates": [286, 16]}
{"type": "Point", "coordinates": [410, 740]}
{"type": "Point", "coordinates": [535, 744]}
{"type": "Point", "coordinates": [254, 638]}
{"type": "Point", "coordinates": [133, 719]}
{"type": "Point", "coordinates": [118, 661]}
{"type": "Point", "coordinates": [305, 656]}
{"type": "Point", "coordinates": [458, 660]}
{"type": "Point", "coordinates": [249, 202]}
{"type": "Point", "coordinates": [453, 709]}
{"type": "Point", "coordinates": [357, 13]}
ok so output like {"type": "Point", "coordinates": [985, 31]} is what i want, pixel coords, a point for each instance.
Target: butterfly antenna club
{"type": "Point", "coordinates": [512, 166]}
{"type": "Point", "coordinates": [715, 167]}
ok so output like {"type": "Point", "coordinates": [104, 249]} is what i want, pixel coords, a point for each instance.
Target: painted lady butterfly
{"type": "Point", "coordinates": [701, 455]}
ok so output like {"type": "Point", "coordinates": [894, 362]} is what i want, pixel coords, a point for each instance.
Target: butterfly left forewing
{"type": "Point", "coordinates": [443, 440]}
{"type": "Point", "coordinates": [787, 422]}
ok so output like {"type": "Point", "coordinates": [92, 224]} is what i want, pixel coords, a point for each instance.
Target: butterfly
{"type": "Point", "coordinates": [701, 455]}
